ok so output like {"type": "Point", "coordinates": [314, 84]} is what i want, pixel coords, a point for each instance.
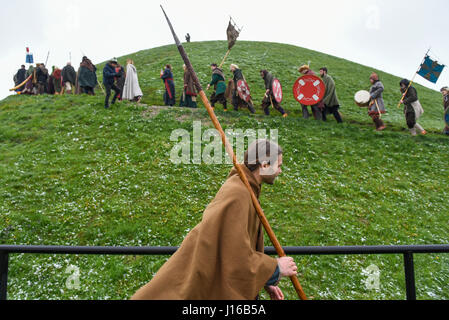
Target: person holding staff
{"type": "Point", "coordinates": [377, 105]}
{"type": "Point", "coordinates": [412, 107]}
{"type": "Point", "coordinates": [223, 258]}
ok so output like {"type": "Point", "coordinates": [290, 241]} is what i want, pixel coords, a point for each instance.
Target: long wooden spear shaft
{"type": "Point", "coordinates": [230, 151]}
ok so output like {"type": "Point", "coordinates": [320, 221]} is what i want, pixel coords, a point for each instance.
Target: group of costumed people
{"type": "Point", "coordinates": [125, 83]}
{"type": "Point", "coordinates": [38, 80]}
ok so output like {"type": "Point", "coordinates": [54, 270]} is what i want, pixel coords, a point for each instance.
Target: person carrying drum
{"type": "Point", "coordinates": [318, 109]}
{"type": "Point", "coordinates": [412, 107]}
{"type": "Point", "coordinates": [269, 98]}
{"type": "Point", "coordinates": [330, 100]}
{"type": "Point", "coordinates": [236, 100]}
{"type": "Point", "coordinates": [377, 105]}
{"type": "Point", "coordinates": [445, 93]}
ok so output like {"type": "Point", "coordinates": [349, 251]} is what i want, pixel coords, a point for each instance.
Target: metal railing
{"type": "Point", "coordinates": [407, 251]}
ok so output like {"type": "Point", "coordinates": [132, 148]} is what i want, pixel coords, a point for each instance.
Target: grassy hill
{"type": "Point", "coordinates": [72, 173]}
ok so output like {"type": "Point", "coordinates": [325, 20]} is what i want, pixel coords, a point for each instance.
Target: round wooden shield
{"type": "Point", "coordinates": [243, 90]}
{"type": "Point", "coordinates": [277, 91]}
{"type": "Point", "coordinates": [309, 90]}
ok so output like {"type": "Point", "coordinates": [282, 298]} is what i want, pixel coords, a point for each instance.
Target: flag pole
{"type": "Point", "coordinates": [413, 79]}
{"type": "Point", "coordinates": [280, 251]}
{"type": "Point", "coordinates": [224, 59]}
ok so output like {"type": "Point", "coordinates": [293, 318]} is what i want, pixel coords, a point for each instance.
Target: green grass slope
{"type": "Point", "coordinates": [72, 173]}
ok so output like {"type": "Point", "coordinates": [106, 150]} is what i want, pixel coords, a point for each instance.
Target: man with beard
{"type": "Point", "coordinates": [330, 100]}
{"type": "Point", "coordinates": [236, 100]}
{"type": "Point", "coordinates": [218, 81]}
{"type": "Point", "coordinates": [223, 258]}
{"type": "Point", "coordinates": [269, 98]}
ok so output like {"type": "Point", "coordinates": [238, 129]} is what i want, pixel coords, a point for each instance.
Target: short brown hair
{"type": "Point", "coordinates": [261, 151]}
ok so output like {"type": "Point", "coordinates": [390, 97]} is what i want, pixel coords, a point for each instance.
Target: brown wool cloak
{"type": "Point", "coordinates": [222, 258]}
{"type": "Point", "coordinates": [189, 84]}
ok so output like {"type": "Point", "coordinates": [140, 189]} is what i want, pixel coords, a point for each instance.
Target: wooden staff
{"type": "Point", "coordinates": [231, 153]}
{"type": "Point", "coordinates": [101, 87]}
{"type": "Point", "coordinates": [378, 109]}
{"type": "Point", "coordinates": [224, 59]}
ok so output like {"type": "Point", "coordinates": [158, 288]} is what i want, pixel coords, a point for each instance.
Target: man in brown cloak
{"type": "Point", "coordinates": [223, 257]}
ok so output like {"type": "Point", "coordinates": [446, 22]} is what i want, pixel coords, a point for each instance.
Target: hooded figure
{"type": "Point", "coordinates": [412, 107]}
{"type": "Point", "coordinates": [131, 90]}
{"type": "Point", "coordinates": [68, 78]}
{"type": "Point", "coordinates": [223, 258]}
{"type": "Point", "coordinates": [188, 98]}
{"type": "Point", "coordinates": [87, 77]}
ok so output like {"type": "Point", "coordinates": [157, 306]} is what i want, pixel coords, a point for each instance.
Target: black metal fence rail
{"type": "Point", "coordinates": [407, 251]}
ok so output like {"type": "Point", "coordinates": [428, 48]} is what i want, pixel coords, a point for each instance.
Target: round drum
{"type": "Point", "coordinates": [362, 98]}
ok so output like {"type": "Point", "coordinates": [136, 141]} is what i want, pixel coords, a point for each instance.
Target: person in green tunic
{"type": "Point", "coordinates": [236, 100]}
{"type": "Point", "coordinates": [188, 97]}
{"type": "Point", "coordinates": [218, 81]}
{"type": "Point", "coordinates": [331, 104]}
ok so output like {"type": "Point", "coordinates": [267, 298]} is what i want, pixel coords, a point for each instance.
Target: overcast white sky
{"type": "Point", "coordinates": [389, 35]}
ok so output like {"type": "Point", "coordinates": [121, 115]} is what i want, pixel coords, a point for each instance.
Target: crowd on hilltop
{"type": "Point", "coordinates": [39, 80]}
{"type": "Point", "coordinates": [125, 84]}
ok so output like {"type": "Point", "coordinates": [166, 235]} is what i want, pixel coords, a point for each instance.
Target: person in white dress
{"type": "Point", "coordinates": [131, 90]}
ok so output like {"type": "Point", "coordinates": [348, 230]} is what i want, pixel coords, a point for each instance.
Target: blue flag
{"type": "Point", "coordinates": [29, 58]}
{"type": "Point", "coordinates": [431, 70]}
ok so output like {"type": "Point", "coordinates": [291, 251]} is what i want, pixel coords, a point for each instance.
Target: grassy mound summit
{"type": "Point", "coordinates": [73, 173]}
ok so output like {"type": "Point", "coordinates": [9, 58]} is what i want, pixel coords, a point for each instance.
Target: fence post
{"type": "Point", "coordinates": [410, 276]}
{"type": "Point", "coordinates": [4, 258]}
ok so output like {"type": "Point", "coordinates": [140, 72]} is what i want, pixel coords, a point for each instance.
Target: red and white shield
{"type": "Point", "coordinates": [309, 90]}
{"type": "Point", "coordinates": [243, 91]}
{"type": "Point", "coordinates": [277, 91]}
